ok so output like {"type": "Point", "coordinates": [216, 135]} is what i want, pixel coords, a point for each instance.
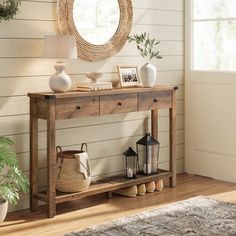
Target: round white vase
{"type": "Point", "coordinates": [3, 209]}
{"type": "Point", "coordinates": [60, 81]}
{"type": "Point", "coordinates": [148, 75]}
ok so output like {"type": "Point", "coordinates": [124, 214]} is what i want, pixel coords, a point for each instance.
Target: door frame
{"type": "Point", "coordinates": [192, 77]}
{"type": "Point", "coordinates": [187, 82]}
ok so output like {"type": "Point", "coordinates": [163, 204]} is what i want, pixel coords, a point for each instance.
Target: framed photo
{"type": "Point", "coordinates": [129, 76]}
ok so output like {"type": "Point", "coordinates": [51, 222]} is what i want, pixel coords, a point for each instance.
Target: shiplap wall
{"type": "Point", "coordinates": [22, 70]}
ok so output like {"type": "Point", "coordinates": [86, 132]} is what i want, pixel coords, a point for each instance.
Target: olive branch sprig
{"type": "Point", "coordinates": [147, 46]}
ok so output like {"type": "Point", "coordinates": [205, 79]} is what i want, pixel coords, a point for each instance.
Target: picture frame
{"type": "Point", "coordinates": [129, 76]}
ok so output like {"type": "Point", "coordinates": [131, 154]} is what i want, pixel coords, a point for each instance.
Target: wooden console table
{"type": "Point", "coordinates": [58, 106]}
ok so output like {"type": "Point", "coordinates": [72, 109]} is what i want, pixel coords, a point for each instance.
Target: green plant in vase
{"type": "Point", "coordinates": [148, 49]}
{"type": "Point", "coordinates": [12, 179]}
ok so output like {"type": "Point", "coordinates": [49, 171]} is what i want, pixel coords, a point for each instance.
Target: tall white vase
{"type": "Point", "coordinates": [148, 75]}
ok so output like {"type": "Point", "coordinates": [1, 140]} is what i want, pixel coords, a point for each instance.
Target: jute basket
{"type": "Point", "coordinates": [69, 176]}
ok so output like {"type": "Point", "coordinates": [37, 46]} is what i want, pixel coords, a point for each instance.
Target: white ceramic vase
{"type": "Point", "coordinates": [148, 75]}
{"type": "Point", "coordinates": [3, 209]}
{"type": "Point", "coordinates": [60, 81]}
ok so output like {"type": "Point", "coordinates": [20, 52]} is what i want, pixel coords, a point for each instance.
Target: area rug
{"type": "Point", "coordinates": [196, 216]}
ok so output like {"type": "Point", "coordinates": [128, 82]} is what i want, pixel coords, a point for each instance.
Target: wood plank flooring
{"type": "Point", "coordinates": [72, 216]}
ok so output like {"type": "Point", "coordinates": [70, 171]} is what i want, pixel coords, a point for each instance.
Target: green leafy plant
{"type": "Point", "coordinates": [12, 179]}
{"type": "Point", "coordinates": [9, 9]}
{"type": "Point", "coordinates": [147, 46]}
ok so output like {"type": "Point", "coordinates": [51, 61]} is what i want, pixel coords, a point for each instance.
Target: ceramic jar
{"type": "Point", "coordinates": [148, 75]}
{"type": "Point", "coordinates": [60, 81]}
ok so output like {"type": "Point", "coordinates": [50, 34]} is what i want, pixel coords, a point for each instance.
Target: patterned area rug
{"type": "Point", "coordinates": [195, 216]}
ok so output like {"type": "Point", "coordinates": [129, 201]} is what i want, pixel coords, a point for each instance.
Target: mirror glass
{"type": "Point", "coordinates": [96, 20]}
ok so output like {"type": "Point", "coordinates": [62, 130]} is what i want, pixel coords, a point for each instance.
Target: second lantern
{"type": "Point", "coordinates": [148, 155]}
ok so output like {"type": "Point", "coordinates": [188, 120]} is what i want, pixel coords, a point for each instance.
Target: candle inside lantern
{"type": "Point", "coordinates": [130, 173]}
{"type": "Point", "coordinates": [147, 169]}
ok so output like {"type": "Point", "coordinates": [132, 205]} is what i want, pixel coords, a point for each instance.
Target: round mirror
{"type": "Point", "coordinates": [96, 20]}
{"type": "Point", "coordinates": [101, 27]}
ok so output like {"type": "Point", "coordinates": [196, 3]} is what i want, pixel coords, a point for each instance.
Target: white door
{"type": "Point", "coordinates": [210, 88]}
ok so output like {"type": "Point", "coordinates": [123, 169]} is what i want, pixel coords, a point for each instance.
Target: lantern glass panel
{"type": "Point", "coordinates": [130, 166]}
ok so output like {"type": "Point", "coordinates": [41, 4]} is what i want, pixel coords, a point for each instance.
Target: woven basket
{"type": "Point", "coordinates": [69, 176]}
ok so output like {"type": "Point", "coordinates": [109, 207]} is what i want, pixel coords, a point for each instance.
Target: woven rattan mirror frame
{"type": "Point", "coordinates": [86, 50]}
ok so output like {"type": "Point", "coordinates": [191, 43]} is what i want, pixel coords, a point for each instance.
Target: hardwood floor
{"type": "Point", "coordinates": [72, 216]}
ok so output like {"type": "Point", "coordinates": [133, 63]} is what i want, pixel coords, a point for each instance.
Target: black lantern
{"type": "Point", "coordinates": [130, 161]}
{"type": "Point", "coordinates": [148, 154]}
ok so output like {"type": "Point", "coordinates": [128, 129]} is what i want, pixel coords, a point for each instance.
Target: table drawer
{"type": "Point", "coordinates": [77, 107]}
{"type": "Point", "coordinates": [112, 104]}
{"type": "Point", "coordinates": [155, 100]}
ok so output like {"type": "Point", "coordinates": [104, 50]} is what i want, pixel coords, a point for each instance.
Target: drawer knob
{"type": "Point", "coordinates": [119, 104]}
{"type": "Point", "coordinates": [78, 107]}
{"type": "Point", "coordinates": [155, 100]}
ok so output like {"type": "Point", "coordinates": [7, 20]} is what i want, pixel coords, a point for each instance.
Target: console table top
{"type": "Point", "coordinates": [75, 93]}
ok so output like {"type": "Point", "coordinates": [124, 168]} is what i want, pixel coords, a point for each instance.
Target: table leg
{"type": "Point", "coordinates": [51, 159]}
{"type": "Point", "coordinates": [154, 117]}
{"type": "Point", "coordinates": [33, 156]}
{"type": "Point", "coordinates": [172, 137]}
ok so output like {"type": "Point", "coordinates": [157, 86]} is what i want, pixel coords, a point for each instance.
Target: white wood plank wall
{"type": "Point", "coordinates": [22, 70]}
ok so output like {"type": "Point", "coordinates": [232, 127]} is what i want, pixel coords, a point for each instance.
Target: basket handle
{"type": "Point", "coordinates": [82, 147]}
{"type": "Point", "coordinates": [59, 150]}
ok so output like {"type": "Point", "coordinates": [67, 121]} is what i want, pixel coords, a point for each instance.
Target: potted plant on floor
{"type": "Point", "coordinates": [148, 49]}
{"type": "Point", "coordinates": [12, 179]}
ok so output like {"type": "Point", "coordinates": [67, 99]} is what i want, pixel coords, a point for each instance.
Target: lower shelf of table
{"type": "Point", "coordinates": [105, 185]}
